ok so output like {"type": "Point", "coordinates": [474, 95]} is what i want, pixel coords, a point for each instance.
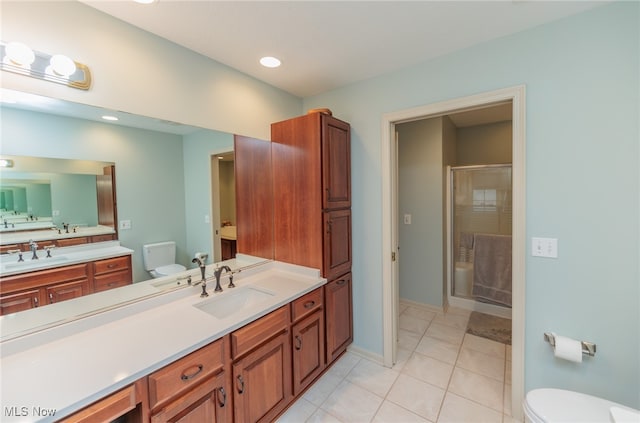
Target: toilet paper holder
{"type": "Point", "coordinates": [588, 348]}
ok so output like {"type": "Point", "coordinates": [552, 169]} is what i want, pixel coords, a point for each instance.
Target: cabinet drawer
{"type": "Point", "coordinates": [306, 304]}
{"type": "Point", "coordinates": [68, 242]}
{"type": "Point", "coordinates": [183, 374]}
{"type": "Point", "coordinates": [111, 265]}
{"type": "Point", "coordinates": [101, 238]}
{"type": "Point", "coordinates": [111, 407]}
{"type": "Point", "coordinates": [252, 335]}
{"type": "Point", "coordinates": [43, 277]}
{"type": "Point", "coordinates": [111, 280]}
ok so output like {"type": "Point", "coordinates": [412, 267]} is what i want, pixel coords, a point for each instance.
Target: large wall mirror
{"type": "Point", "coordinates": [166, 182]}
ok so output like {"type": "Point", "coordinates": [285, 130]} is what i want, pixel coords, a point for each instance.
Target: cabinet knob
{"type": "Point", "coordinates": [51, 296]}
{"type": "Point", "coordinates": [36, 303]}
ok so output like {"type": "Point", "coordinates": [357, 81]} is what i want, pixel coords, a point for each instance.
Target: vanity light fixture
{"type": "Point", "coordinates": [20, 58]}
{"type": "Point", "coordinates": [6, 163]}
{"type": "Point", "coordinates": [270, 62]}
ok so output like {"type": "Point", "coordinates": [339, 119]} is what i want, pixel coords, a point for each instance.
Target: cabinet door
{"type": "Point", "coordinates": [338, 316]}
{"type": "Point", "coordinates": [308, 350]}
{"type": "Point", "coordinates": [123, 405]}
{"type": "Point", "coordinates": [21, 301]}
{"type": "Point", "coordinates": [262, 381]}
{"type": "Point", "coordinates": [208, 402]}
{"type": "Point", "coordinates": [66, 291]}
{"type": "Point", "coordinates": [336, 163]}
{"type": "Point", "coordinates": [336, 243]}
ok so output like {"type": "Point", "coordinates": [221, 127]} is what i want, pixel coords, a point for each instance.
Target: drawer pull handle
{"type": "Point", "coordinates": [111, 266]}
{"type": "Point", "coordinates": [241, 385]}
{"type": "Point", "coordinates": [222, 402]}
{"type": "Point", "coordinates": [185, 376]}
{"type": "Point", "coordinates": [35, 301]}
{"type": "Point", "coordinates": [298, 342]}
{"type": "Point", "coordinates": [341, 282]}
{"type": "Point", "coordinates": [51, 297]}
{"type": "Point", "coordinates": [309, 304]}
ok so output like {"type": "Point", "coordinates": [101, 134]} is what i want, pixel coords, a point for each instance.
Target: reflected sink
{"type": "Point", "coordinates": [28, 263]}
{"type": "Point", "coordinates": [231, 302]}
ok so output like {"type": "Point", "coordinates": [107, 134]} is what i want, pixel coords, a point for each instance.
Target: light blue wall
{"type": "Point", "coordinates": [582, 110]}
{"type": "Point", "coordinates": [420, 155]}
{"type": "Point", "coordinates": [198, 148]}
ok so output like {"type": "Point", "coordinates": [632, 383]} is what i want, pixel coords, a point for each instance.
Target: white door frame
{"type": "Point", "coordinates": [389, 226]}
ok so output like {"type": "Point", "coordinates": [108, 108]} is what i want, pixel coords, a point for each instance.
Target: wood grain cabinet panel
{"type": "Point", "coordinates": [13, 303]}
{"type": "Point", "coordinates": [307, 339]}
{"type": "Point", "coordinates": [338, 316]}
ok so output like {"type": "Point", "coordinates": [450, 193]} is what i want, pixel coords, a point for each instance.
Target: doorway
{"type": "Point", "coordinates": [516, 95]}
{"type": "Point", "coordinates": [223, 205]}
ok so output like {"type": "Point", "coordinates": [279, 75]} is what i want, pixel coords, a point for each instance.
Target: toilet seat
{"type": "Point", "coordinates": [558, 405]}
{"type": "Point", "coordinates": [170, 269]}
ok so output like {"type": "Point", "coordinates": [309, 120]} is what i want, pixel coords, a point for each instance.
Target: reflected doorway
{"type": "Point", "coordinates": [223, 198]}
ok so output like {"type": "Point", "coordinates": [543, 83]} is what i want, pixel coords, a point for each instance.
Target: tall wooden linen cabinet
{"type": "Point", "coordinates": [311, 158]}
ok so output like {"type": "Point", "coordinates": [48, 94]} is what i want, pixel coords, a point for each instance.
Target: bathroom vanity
{"type": "Point", "coordinates": [66, 274]}
{"type": "Point", "coordinates": [242, 355]}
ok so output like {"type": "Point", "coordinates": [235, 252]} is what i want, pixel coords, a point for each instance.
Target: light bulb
{"type": "Point", "coordinates": [61, 65]}
{"type": "Point", "coordinates": [20, 54]}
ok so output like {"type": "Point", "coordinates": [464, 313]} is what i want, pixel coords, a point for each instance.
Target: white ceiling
{"type": "Point", "coordinates": [324, 45]}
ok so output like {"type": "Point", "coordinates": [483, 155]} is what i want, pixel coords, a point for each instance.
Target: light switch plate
{"type": "Point", "coordinates": [544, 247]}
{"type": "Point", "coordinates": [125, 224]}
{"type": "Point", "coordinates": [407, 219]}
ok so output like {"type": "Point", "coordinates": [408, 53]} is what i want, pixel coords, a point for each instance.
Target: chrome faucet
{"type": "Point", "coordinates": [217, 273]}
{"type": "Point", "coordinates": [34, 249]}
{"type": "Point", "coordinates": [201, 259]}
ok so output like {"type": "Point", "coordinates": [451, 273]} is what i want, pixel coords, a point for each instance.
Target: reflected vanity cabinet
{"type": "Point", "coordinates": [34, 289]}
{"type": "Point", "coordinates": [311, 158]}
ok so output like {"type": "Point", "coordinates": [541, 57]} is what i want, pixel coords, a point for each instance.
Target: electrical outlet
{"type": "Point", "coordinates": [407, 219]}
{"type": "Point", "coordinates": [544, 247]}
{"type": "Point", "coordinates": [125, 225]}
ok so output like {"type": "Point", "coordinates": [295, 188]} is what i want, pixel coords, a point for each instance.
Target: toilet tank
{"type": "Point", "coordinates": [158, 254]}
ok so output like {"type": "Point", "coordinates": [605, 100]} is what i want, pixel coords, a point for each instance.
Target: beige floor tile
{"type": "Point", "coordinates": [451, 319]}
{"type": "Point", "coordinates": [456, 409]}
{"type": "Point", "coordinates": [300, 411]}
{"type": "Point", "coordinates": [344, 364]}
{"type": "Point", "coordinates": [373, 377]}
{"type": "Point", "coordinates": [392, 413]}
{"type": "Point", "coordinates": [419, 313]}
{"type": "Point", "coordinates": [484, 345]}
{"type": "Point", "coordinates": [478, 388]}
{"type": "Point", "coordinates": [413, 324]}
{"type": "Point", "coordinates": [479, 362]}
{"type": "Point", "coordinates": [417, 396]}
{"type": "Point", "coordinates": [322, 388]}
{"type": "Point", "coordinates": [352, 403]}
{"type": "Point", "coordinates": [321, 416]}
{"type": "Point", "coordinates": [440, 350]}
{"type": "Point", "coordinates": [402, 355]}
{"type": "Point", "coordinates": [428, 370]}
{"type": "Point", "coordinates": [408, 340]}
{"type": "Point", "coordinates": [507, 400]}
{"type": "Point", "coordinates": [445, 333]}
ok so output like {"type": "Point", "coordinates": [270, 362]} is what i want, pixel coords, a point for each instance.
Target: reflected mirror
{"type": "Point", "coordinates": [165, 179]}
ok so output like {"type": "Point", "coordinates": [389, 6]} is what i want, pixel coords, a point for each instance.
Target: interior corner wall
{"type": "Point", "coordinates": [420, 195]}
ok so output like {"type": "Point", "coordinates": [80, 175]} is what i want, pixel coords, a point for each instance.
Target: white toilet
{"type": "Point", "coordinates": [561, 406]}
{"type": "Point", "coordinates": [159, 259]}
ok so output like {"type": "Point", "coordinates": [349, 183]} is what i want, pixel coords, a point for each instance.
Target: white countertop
{"type": "Point", "coordinates": [98, 355]}
{"type": "Point", "coordinates": [62, 256]}
{"type": "Point", "coordinates": [48, 234]}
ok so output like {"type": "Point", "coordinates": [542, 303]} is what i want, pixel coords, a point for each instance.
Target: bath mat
{"type": "Point", "coordinates": [490, 327]}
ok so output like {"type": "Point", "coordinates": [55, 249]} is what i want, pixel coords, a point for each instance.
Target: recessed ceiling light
{"type": "Point", "coordinates": [145, 1]}
{"type": "Point", "coordinates": [270, 62]}
{"type": "Point", "coordinates": [111, 118]}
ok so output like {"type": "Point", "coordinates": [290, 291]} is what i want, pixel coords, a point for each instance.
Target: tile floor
{"type": "Point", "coordinates": [442, 376]}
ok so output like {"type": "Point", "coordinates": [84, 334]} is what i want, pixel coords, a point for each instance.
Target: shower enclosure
{"type": "Point", "coordinates": [479, 236]}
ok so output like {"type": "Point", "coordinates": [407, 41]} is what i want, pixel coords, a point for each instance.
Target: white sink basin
{"type": "Point", "coordinates": [33, 264]}
{"type": "Point", "coordinates": [235, 301]}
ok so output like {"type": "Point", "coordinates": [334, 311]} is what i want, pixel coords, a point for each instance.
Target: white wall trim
{"type": "Point", "coordinates": [517, 96]}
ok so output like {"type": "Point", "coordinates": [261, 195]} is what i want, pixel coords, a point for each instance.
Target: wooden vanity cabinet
{"type": "Point", "coordinates": [261, 353]}
{"type": "Point", "coordinates": [33, 289]}
{"type": "Point", "coordinates": [307, 339]}
{"type": "Point", "coordinates": [338, 316]}
{"type": "Point", "coordinates": [192, 389]}
{"type": "Point", "coordinates": [123, 406]}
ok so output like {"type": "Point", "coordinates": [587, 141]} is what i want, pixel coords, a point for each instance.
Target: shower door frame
{"type": "Point", "coordinates": [462, 302]}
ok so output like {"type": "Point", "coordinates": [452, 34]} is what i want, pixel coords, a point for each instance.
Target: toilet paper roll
{"type": "Point", "coordinates": [568, 349]}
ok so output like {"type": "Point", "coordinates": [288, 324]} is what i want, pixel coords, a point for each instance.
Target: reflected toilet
{"type": "Point", "coordinates": [159, 259]}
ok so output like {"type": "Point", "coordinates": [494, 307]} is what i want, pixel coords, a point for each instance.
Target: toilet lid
{"type": "Point", "coordinates": [170, 269]}
{"type": "Point", "coordinates": [558, 405]}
